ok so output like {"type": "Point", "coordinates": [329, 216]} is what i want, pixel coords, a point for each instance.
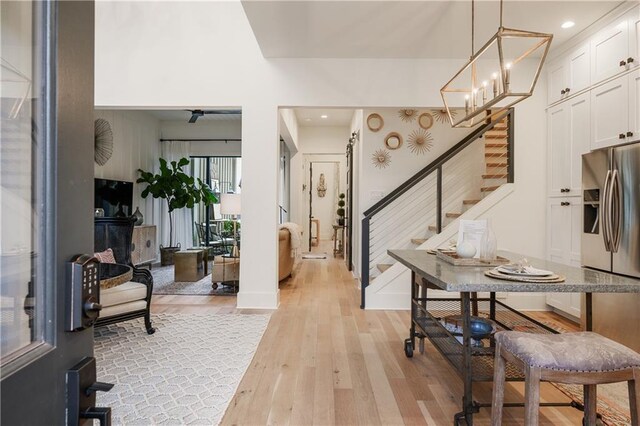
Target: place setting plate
{"type": "Point", "coordinates": [529, 275]}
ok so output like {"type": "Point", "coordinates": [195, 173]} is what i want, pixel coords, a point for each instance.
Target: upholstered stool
{"type": "Point", "coordinates": [225, 270]}
{"type": "Point", "coordinates": [583, 358]}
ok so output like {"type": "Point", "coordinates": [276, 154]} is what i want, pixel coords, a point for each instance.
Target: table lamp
{"type": "Point", "coordinates": [230, 205]}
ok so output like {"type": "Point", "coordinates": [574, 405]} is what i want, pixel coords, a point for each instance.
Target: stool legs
{"type": "Point", "coordinates": [498, 387]}
{"type": "Point", "coordinates": [634, 396]}
{"type": "Point", "coordinates": [590, 404]}
{"type": "Point", "coordinates": [531, 395]}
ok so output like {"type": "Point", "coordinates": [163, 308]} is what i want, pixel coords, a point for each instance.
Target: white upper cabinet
{"type": "Point", "coordinates": [579, 139]}
{"type": "Point", "coordinates": [610, 50]}
{"type": "Point", "coordinates": [610, 115]}
{"type": "Point", "coordinates": [634, 105]}
{"type": "Point", "coordinates": [634, 37]}
{"type": "Point", "coordinates": [569, 137]}
{"type": "Point", "coordinates": [579, 69]}
{"type": "Point", "coordinates": [556, 81]}
{"type": "Point", "coordinates": [558, 149]}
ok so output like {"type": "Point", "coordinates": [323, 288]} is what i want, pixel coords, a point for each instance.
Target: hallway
{"type": "Point", "coordinates": [325, 361]}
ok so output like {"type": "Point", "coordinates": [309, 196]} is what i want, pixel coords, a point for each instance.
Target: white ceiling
{"type": "Point", "coordinates": [404, 29]}
{"type": "Point", "coordinates": [184, 115]}
{"type": "Point", "coordinates": [312, 117]}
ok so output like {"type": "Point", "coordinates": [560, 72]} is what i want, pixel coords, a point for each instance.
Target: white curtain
{"type": "Point", "coordinates": [336, 185]}
{"type": "Point", "coordinates": [183, 218]}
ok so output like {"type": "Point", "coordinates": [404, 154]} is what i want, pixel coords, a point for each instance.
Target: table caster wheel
{"type": "Point", "coordinates": [214, 286]}
{"type": "Point", "coordinates": [408, 348]}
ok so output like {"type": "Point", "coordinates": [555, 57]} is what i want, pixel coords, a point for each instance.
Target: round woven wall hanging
{"type": "Point", "coordinates": [103, 141]}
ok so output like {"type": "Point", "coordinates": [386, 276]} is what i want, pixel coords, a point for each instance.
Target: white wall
{"type": "Point", "coordinates": [136, 145]}
{"type": "Point", "coordinates": [135, 39]}
{"type": "Point", "coordinates": [206, 129]}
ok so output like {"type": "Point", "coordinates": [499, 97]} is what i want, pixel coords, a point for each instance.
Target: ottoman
{"type": "Point", "coordinates": [189, 265]}
{"type": "Point", "coordinates": [225, 270]}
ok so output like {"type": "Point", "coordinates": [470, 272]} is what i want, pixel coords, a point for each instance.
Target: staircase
{"type": "Point", "coordinates": [437, 196]}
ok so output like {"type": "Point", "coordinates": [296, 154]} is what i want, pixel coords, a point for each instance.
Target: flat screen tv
{"type": "Point", "coordinates": [114, 196]}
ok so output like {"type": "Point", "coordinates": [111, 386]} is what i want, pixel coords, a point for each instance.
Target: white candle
{"type": "Point", "coordinates": [466, 104]}
{"type": "Point", "coordinates": [484, 92]}
{"type": "Point", "coordinates": [495, 84]}
{"type": "Point", "coordinates": [475, 99]}
{"type": "Point", "coordinates": [507, 76]}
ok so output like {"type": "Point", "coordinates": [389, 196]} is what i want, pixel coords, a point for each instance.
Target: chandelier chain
{"type": "Point", "coordinates": [473, 22]}
{"type": "Point", "coordinates": [501, 1]}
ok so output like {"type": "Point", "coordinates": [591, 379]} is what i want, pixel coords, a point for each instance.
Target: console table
{"type": "Point", "coordinates": [474, 363]}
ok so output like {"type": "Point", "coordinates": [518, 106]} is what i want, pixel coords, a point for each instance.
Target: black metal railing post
{"type": "Point", "coordinates": [439, 199]}
{"type": "Point", "coordinates": [364, 263]}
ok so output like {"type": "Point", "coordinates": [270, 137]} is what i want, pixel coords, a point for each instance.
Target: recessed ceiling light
{"type": "Point", "coordinates": [567, 24]}
{"type": "Point", "coordinates": [324, 116]}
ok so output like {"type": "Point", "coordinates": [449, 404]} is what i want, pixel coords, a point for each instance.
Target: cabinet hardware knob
{"type": "Point", "coordinates": [562, 92]}
{"type": "Point", "coordinates": [630, 60]}
{"type": "Point", "coordinates": [565, 203]}
{"type": "Point", "coordinates": [567, 90]}
{"type": "Point", "coordinates": [623, 63]}
{"type": "Point", "coordinates": [148, 243]}
{"type": "Point", "coordinates": [629, 134]}
{"type": "Point", "coordinates": [567, 190]}
{"type": "Point", "coordinates": [621, 136]}
{"type": "Point", "coordinates": [133, 246]}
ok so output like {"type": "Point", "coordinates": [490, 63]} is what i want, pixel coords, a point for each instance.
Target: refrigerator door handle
{"type": "Point", "coordinates": [604, 207]}
{"type": "Point", "coordinates": [616, 211]}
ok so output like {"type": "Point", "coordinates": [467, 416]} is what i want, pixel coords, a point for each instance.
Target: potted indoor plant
{"type": "Point", "coordinates": [179, 190]}
{"type": "Point", "coordinates": [340, 210]}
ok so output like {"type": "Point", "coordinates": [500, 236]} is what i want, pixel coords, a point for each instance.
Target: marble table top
{"type": "Point", "coordinates": [472, 278]}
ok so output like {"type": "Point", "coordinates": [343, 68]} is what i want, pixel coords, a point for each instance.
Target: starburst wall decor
{"type": "Point", "coordinates": [441, 115]}
{"type": "Point", "coordinates": [420, 141]}
{"type": "Point", "coordinates": [381, 158]}
{"type": "Point", "coordinates": [408, 115]}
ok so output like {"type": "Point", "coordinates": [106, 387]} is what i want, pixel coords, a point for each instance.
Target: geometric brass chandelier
{"type": "Point", "coordinates": [500, 74]}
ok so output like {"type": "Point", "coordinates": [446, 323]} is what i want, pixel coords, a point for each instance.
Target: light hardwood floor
{"type": "Point", "coordinates": [325, 361]}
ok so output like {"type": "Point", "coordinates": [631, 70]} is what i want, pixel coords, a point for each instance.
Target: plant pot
{"type": "Point", "coordinates": [166, 255]}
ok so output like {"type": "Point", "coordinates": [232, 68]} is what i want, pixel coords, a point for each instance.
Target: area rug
{"type": "Point", "coordinates": [185, 373]}
{"type": "Point", "coordinates": [163, 283]}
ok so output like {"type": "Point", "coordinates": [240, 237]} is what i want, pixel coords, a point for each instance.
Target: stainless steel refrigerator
{"type": "Point", "coordinates": [611, 235]}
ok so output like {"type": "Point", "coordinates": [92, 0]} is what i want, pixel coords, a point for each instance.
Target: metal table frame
{"type": "Point", "coordinates": [468, 307]}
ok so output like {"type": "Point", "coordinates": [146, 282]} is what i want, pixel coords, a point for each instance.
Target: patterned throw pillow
{"type": "Point", "coordinates": [105, 256]}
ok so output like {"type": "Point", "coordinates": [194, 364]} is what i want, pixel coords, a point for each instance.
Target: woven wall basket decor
{"type": "Point", "coordinates": [103, 141]}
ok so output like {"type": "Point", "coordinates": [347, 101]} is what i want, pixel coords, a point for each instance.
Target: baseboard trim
{"type": "Point", "coordinates": [255, 300]}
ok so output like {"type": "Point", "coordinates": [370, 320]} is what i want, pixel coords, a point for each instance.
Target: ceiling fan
{"type": "Point", "coordinates": [197, 113]}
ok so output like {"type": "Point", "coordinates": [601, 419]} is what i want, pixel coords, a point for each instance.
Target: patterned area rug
{"type": "Point", "coordinates": [185, 373]}
{"type": "Point", "coordinates": [163, 283]}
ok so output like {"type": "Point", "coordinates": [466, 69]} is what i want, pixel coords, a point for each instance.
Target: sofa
{"type": "Point", "coordinates": [131, 299]}
{"type": "Point", "coordinates": [285, 262]}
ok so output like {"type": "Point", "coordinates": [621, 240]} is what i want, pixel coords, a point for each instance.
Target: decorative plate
{"type": "Point", "coordinates": [425, 120]}
{"type": "Point", "coordinates": [381, 158]}
{"type": "Point", "coordinates": [393, 140]}
{"type": "Point", "coordinates": [375, 122]}
{"type": "Point", "coordinates": [408, 115]}
{"type": "Point", "coordinates": [103, 141]}
{"type": "Point", "coordinates": [420, 141]}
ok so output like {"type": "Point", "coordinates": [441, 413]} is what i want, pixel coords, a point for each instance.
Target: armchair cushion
{"type": "Point", "coordinates": [123, 293]}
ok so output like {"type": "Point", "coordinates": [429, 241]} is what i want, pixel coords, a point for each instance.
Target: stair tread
{"type": "Point", "coordinates": [495, 176]}
{"type": "Point", "coordinates": [495, 145]}
{"type": "Point", "coordinates": [453, 215]}
{"type": "Point", "coordinates": [489, 188]}
{"type": "Point", "coordinates": [433, 228]}
{"type": "Point", "coordinates": [384, 266]}
{"type": "Point", "coordinates": [496, 164]}
{"type": "Point", "coordinates": [418, 241]}
{"type": "Point", "coordinates": [496, 154]}
{"type": "Point", "coordinates": [469, 202]}
{"type": "Point", "coordinates": [495, 136]}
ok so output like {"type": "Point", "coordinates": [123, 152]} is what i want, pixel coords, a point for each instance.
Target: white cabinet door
{"type": "Point", "coordinates": [579, 139]}
{"type": "Point", "coordinates": [634, 36]}
{"type": "Point", "coordinates": [608, 48]}
{"type": "Point", "coordinates": [559, 149]}
{"type": "Point", "coordinates": [558, 221]}
{"type": "Point", "coordinates": [564, 228]}
{"type": "Point", "coordinates": [609, 113]}
{"type": "Point", "coordinates": [579, 69]}
{"type": "Point", "coordinates": [634, 105]}
{"type": "Point", "coordinates": [574, 230]}
{"type": "Point", "coordinates": [556, 81]}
